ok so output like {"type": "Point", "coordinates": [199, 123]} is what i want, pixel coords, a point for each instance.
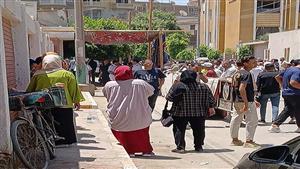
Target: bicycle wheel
{"type": "Point", "coordinates": [29, 145]}
{"type": "Point", "coordinates": [50, 139]}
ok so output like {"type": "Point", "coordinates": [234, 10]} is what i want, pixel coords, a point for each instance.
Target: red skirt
{"type": "Point", "coordinates": [137, 141]}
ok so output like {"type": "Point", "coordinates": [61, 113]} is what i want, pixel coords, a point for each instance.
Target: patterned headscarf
{"type": "Point", "coordinates": [123, 73]}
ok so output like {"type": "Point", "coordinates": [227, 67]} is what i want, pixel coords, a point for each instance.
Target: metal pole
{"type": "Point", "coordinates": [297, 14]}
{"type": "Point", "coordinates": [207, 38]}
{"type": "Point", "coordinates": [161, 50]}
{"type": "Point", "coordinates": [150, 27]}
{"type": "Point", "coordinates": [199, 22]}
{"type": "Point", "coordinates": [281, 28]}
{"type": "Point", "coordinates": [254, 20]}
{"type": "Point", "coordinates": [79, 43]}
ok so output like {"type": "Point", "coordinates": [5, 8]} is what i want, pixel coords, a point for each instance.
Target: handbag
{"type": "Point", "coordinates": [166, 118]}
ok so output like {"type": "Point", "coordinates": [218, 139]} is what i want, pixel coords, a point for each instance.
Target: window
{"type": "Point", "coordinates": [268, 6]}
{"type": "Point", "coordinates": [192, 27]}
{"type": "Point", "coordinates": [95, 13]}
{"type": "Point", "coordinates": [122, 1]}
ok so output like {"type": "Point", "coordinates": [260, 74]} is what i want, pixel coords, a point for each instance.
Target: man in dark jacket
{"type": "Point", "coordinates": [268, 88]}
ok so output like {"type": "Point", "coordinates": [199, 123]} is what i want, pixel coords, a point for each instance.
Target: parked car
{"type": "Point", "coordinates": [285, 156]}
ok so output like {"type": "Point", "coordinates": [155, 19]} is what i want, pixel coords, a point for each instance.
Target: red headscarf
{"type": "Point", "coordinates": [123, 73]}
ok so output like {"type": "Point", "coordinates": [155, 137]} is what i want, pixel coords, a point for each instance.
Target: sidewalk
{"type": "Point", "coordinates": [96, 148]}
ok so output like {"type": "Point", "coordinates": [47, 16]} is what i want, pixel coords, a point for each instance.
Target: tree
{"type": "Point", "coordinates": [140, 51]}
{"type": "Point", "coordinates": [213, 54]}
{"type": "Point", "coordinates": [244, 51]}
{"type": "Point", "coordinates": [186, 55]}
{"type": "Point", "coordinates": [96, 51]}
{"type": "Point", "coordinates": [203, 50]}
{"type": "Point", "coordinates": [176, 43]}
{"type": "Point", "coordinates": [161, 20]}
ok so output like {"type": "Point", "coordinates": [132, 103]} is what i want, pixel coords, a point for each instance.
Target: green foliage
{"type": "Point", "coordinates": [176, 43]}
{"type": "Point", "coordinates": [244, 51]}
{"type": "Point", "coordinates": [213, 54]}
{"type": "Point", "coordinates": [102, 51]}
{"type": "Point", "coordinates": [203, 50]}
{"type": "Point", "coordinates": [161, 20]}
{"type": "Point", "coordinates": [264, 37]}
{"type": "Point", "coordinates": [210, 53]}
{"type": "Point", "coordinates": [140, 51]}
{"type": "Point", "coordinates": [186, 55]}
{"type": "Point", "coordinates": [104, 24]}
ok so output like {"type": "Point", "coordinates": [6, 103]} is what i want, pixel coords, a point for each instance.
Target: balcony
{"type": "Point", "coordinates": [268, 20]}
{"type": "Point", "coordinates": [124, 6]}
{"type": "Point", "coordinates": [52, 2]}
{"type": "Point", "coordinates": [99, 4]}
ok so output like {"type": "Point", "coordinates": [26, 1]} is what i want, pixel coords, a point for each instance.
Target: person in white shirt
{"type": "Point", "coordinates": [136, 66]}
{"type": "Point", "coordinates": [229, 70]}
{"type": "Point", "coordinates": [258, 69]}
{"type": "Point", "coordinates": [112, 68]}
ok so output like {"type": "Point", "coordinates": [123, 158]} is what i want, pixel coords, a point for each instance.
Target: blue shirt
{"type": "Point", "coordinates": [292, 73]}
{"type": "Point", "coordinates": [151, 76]}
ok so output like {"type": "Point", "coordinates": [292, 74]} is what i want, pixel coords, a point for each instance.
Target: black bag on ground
{"type": "Point", "coordinates": [166, 118]}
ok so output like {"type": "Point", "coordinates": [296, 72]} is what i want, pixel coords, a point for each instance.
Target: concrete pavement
{"type": "Point", "coordinates": [96, 147]}
{"type": "Point", "coordinates": [217, 150]}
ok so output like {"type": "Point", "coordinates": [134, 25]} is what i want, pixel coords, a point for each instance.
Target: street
{"type": "Point", "coordinates": [217, 150]}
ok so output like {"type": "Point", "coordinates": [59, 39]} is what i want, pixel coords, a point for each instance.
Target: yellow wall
{"type": "Point", "coordinates": [246, 26]}
{"type": "Point", "coordinates": [222, 25]}
{"type": "Point", "coordinates": [232, 24]}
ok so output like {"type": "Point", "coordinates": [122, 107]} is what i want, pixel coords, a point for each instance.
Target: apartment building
{"type": "Point", "coordinates": [228, 23]}
{"type": "Point", "coordinates": [61, 12]}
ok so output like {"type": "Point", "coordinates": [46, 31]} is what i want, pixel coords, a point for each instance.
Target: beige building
{"type": "Point", "coordinates": [20, 39]}
{"type": "Point", "coordinates": [229, 23]}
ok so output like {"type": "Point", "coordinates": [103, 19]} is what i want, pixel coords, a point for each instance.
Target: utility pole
{"type": "Point", "coordinates": [198, 30]}
{"type": "Point", "coordinates": [150, 11]}
{"type": "Point", "coordinates": [79, 43]}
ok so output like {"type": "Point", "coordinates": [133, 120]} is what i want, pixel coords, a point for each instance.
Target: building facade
{"type": "Point", "coordinates": [229, 23]}
{"type": "Point", "coordinates": [20, 39]}
{"type": "Point", "coordinates": [54, 13]}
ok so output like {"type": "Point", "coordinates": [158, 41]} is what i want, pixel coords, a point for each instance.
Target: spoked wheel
{"type": "Point", "coordinates": [29, 145]}
{"type": "Point", "coordinates": [50, 140]}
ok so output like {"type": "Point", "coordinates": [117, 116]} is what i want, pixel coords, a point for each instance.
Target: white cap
{"type": "Point", "coordinates": [207, 64]}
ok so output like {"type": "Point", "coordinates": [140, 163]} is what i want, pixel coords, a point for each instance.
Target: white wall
{"type": "Point", "coordinates": [279, 41]}
{"type": "Point", "coordinates": [258, 50]}
{"type": "Point", "coordinates": [20, 37]}
{"type": "Point", "coordinates": [5, 143]}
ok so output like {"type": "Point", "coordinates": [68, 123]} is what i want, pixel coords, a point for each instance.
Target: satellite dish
{"type": "Point", "coordinates": [183, 13]}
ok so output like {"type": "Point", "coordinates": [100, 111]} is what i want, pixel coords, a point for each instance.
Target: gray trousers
{"type": "Point", "coordinates": [251, 120]}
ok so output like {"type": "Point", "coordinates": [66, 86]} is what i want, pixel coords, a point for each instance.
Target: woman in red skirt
{"type": "Point", "coordinates": [129, 112]}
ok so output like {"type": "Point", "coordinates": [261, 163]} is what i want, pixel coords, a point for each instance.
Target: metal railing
{"type": "Point", "coordinates": [53, 2]}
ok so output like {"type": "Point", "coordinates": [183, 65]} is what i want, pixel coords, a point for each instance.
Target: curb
{"type": "Point", "coordinates": [127, 162]}
{"type": "Point", "coordinates": [89, 102]}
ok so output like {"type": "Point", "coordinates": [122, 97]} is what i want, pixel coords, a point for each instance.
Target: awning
{"type": "Point", "coordinates": [111, 37]}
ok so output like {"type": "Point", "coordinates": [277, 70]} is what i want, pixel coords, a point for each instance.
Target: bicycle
{"type": "Point", "coordinates": [32, 136]}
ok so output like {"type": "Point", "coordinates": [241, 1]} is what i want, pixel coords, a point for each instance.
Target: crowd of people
{"type": "Point", "coordinates": [254, 83]}
{"type": "Point", "coordinates": [132, 89]}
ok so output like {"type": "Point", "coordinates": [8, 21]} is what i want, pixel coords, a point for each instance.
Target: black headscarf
{"type": "Point", "coordinates": [176, 92]}
{"type": "Point", "coordinates": [188, 76]}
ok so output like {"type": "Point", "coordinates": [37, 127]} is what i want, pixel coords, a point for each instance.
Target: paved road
{"type": "Point", "coordinates": [217, 154]}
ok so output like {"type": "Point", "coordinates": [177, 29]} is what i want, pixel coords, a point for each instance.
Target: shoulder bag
{"type": "Point", "coordinates": [166, 118]}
